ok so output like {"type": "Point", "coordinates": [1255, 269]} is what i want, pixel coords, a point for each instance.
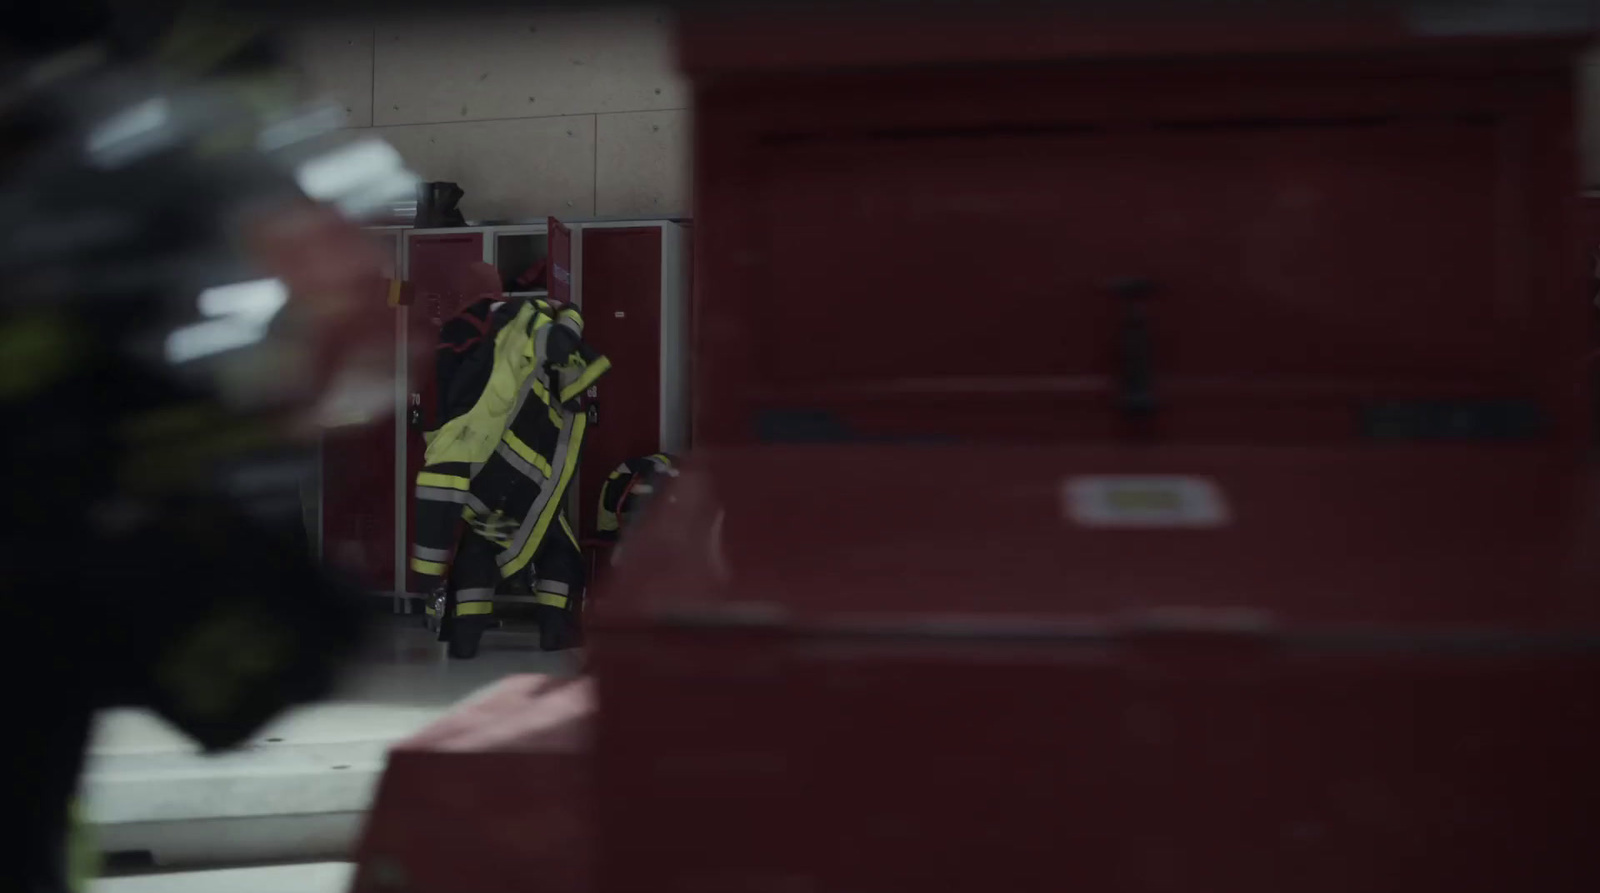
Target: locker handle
{"type": "Point", "coordinates": [1138, 396]}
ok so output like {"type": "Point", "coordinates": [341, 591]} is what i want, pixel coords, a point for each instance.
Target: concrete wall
{"type": "Point", "coordinates": [571, 114]}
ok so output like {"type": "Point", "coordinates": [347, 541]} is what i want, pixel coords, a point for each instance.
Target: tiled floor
{"type": "Point", "coordinates": [299, 790]}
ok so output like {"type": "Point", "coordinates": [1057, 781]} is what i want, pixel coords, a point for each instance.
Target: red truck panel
{"type": "Point", "coordinates": [926, 269]}
{"type": "Point", "coordinates": [904, 657]}
{"type": "Point", "coordinates": [911, 668]}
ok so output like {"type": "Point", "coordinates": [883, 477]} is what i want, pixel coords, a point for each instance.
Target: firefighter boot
{"type": "Point", "coordinates": [559, 628]}
{"type": "Point", "coordinates": [466, 634]}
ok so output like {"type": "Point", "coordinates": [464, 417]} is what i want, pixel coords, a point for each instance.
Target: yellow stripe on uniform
{"type": "Point", "coordinates": [431, 568]}
{"type": "Point", "coordinates": [554, 506]}
{"type": "Point", "coordinates": [527, 453]}
{"type": "Point", "coordinates": [590, 375]}
{"type": "Point", "coordinates": [538, 388]}
{"type": "Point", "coordinates": [551, 599]}
{"type": "Point", "coordinates": [448, 481]}
{"type": "Point", "coordinates": [466, 609]}
{"type": "Point", "coordinates": [567, 529]}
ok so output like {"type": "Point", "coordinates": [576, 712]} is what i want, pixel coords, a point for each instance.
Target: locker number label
{"type": "Point", "coordinates": [1144, 501]}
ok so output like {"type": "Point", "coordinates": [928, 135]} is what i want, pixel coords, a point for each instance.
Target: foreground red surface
{"type": "Point", "coordinates": [1273, 570]}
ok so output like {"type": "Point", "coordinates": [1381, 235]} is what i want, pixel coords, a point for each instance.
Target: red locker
{"type": "Point", "coordinates": [633, 289]}
{"type": "Point", "coordinates": [622, 313]}
{"type": "Point", "coordinates": [358, 471]}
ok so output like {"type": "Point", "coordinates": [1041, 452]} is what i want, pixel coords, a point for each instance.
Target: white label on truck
{"type": "Point", "coordinates": [1143, 501]}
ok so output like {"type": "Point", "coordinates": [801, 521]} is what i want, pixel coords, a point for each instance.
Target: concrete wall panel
{"type": "Point", "coordinates": [511, 170]}
{"type": "Point", "coordinates": [642, 164]}
{"type": "Point", "coordinates": [521, 65]}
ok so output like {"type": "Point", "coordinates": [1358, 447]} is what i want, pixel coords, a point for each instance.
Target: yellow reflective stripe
{"type": "Point", "coordinates": [591, 374]}
{"type": "Point", "coordinates": [551, 599]}
{"type": "Point", "coordinates": [469, 608]}
{"type": "Point", "coordinates": [527, 453]}
{"type": "Point", "coordinates": [555, 417]}
{"type": "Point", "coordinates": [431, 568]}
{"type": "Point", "coordinates": [567, 529]}
{"type": "Point", "coordinates": [428, 609]}
{"type": "Point", "coordinates": [553, 507]}
{"type": "Point", "coordinates": [537, 386]}
{"type": "Point", "coordinates": [448, 481]}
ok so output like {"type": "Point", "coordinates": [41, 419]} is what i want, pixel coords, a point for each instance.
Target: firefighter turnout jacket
{"type": "Point", "coordinates": [512, 419]}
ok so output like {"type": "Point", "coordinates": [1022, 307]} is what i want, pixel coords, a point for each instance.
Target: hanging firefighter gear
{"type": "Point", "coordinates": [504, 465]}
{"type": "Point", "coordinates": [627, 489]}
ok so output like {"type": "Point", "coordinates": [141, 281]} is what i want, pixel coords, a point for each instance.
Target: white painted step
{"type": "Point", "coordinates": [323, 877]}
{"type": "Point", "coordinates": [301, 788]}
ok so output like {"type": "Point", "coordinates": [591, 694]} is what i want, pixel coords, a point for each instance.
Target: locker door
{"type": "Point", "coordinates": [560, 279]}
{"type": "Point", "coordinates": [433, 260]}
{"type": "Point", "coordinates": [358, 467]}
{"type": "Point", "coordinates": [622, 319]}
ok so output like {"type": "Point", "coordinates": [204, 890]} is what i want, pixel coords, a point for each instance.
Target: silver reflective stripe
{"type": "Point", "coordinates": [555, 586]}
{"type": "Point", "coordinates": [520, 464]}
{"type": "Point", "coordinates": [441, 494]}
{"type": "Point", "coordinates": [475, 595]}
{"type": "Point", "coordinates": [569, 377]}
{"type": "Point", "coordinates": [476, 505]}
{"type": "Point", "coordinates": [519, 599]}
{"type": "Point", "coordinates": [522, 396]}
{"type": "Point", "coordinates": [474, 468]}
{"type": "Point", "coordinates": [427, 554]}
{"type": "Point", "coordinates": [571, 323]}
{"type": "Point", "coordinates": [541, 346]}
{"type": "Point", "coordinates": [558, 464]}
